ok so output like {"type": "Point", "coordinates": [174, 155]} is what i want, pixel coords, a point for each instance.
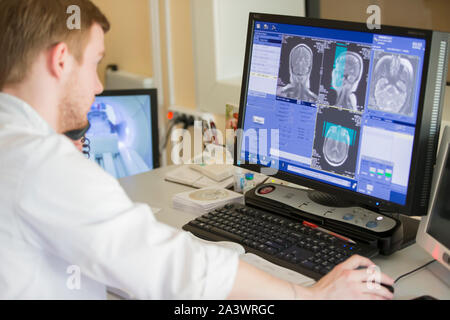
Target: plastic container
{"type": "Point", "coordinates": [239, 180]}
{"type": "Point", "coordinates": [249, 181]}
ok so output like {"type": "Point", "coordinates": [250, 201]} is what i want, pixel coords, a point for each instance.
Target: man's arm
{"type": "Point", "coordinates": [343, 282]}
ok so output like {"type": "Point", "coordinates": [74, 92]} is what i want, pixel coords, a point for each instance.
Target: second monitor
{"type": "Point", "coordinates": [123, 137]}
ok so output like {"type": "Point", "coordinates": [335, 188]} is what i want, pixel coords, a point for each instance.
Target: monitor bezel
{"type": "Point", "coordinates": [429, 243]}
{"type": "Point", "coordinates": [153, 94]}
{"type": "Point", "coordinates": [373, 203]}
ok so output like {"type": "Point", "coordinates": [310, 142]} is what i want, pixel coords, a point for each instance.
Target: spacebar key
{"type": "Point", "coordinates": [226, 234]}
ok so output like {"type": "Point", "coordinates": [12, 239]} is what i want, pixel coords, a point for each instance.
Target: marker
{"type": "Point", "coordinates": [314, 226]}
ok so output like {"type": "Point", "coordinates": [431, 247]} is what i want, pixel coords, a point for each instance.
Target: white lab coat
{"type": "Point", "coordinates": [61, 213]}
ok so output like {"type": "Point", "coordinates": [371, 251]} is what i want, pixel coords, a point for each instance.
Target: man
{"type": "Point", "coordinates": [61, 213]}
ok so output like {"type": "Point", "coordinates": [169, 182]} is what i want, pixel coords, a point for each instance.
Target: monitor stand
{"type": "Point", "coordinates": [441, 272]}
{"type": "Point", "coordinates": [410, 226]}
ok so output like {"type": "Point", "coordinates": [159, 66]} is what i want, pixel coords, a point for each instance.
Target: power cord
{"type": "Point", "coordinates": [406, 274]}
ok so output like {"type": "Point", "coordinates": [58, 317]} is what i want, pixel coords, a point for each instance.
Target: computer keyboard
{"type": "Point", "coordinates": [281, 240]}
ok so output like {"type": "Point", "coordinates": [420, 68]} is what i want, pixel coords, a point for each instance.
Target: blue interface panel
{"type": "Point", "coordinates": [335, 106]}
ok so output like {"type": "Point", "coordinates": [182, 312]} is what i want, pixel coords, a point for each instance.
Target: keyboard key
{"type": "Point", "coordinates": [281, 242]}
{"type": "Point", "coordinates": [227, 235]}
{"type": "Point", "coordinates": [308, 264]}
{"type": "Point", "coordinates": [274, 245]}
{"type": "Point", "coordinates": [325, 264]}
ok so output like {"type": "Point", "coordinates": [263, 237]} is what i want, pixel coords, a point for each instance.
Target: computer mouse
{"type": "Point", "coordinates": [387, 286]}
{"type": "Point", "coordinates": [425, 297]}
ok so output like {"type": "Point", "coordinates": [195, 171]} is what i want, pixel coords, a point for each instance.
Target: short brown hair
{"type": "Point", "coordinates": [29, 26]}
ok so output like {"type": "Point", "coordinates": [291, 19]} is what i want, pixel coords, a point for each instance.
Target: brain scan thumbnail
{"type": "Point", "coordinates": [346, 74]}
{"type": "Point", "coordinates": [336, 145]}
{"type": "Point", "coordinates": [300, 67]}
{"type": "Point", "coordinates": [392, 84]}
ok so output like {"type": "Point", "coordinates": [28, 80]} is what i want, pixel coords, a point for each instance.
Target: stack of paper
{"type": "Point", "coordinates": [205, 200]}
{"type": "Point", "coordinates": [217, 172]}
{"type": "Point", "coordinates": [185, 175]}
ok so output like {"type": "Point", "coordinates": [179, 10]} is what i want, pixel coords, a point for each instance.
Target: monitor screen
{"type": "Point", "coordinates": [339, 107]}
{"type": "Point", "coordinates": [439, 217]}
{"type": "Point", "coordinates": [121, 138]}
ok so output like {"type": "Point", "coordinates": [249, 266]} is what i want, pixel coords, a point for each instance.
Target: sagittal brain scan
{"type": "Point", "coordinates": [336, 141]}
{"type": "Point", "coordinates": [299, 68]}
{"type": "Point", "coordinates": [344, 80]}
{"type": "Point", "coordinates": [392, 83]}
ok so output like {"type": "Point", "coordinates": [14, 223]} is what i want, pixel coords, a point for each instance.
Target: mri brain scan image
{"type": "Point", "coordinates": [336, 145]}
{"type": "Point", "coordinates": [301, 60]}
{"type": "Point", "coordinates": [300, 67]}
{"type": "Point", "coordinates": [346, 75]}
{"type": "Point", "coordinates": [392, 85]}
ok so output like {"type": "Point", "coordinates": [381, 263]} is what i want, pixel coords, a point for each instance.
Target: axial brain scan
{"type": "Point", "coordinates": [336, 145]}
{"type": "Point", "coordinates": [393, 81]}
{"type": "Point", "coordinates": [346, 75]}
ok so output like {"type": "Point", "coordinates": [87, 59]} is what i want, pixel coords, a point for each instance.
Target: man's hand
{"type": "Point", "coordinates": [344, 282]}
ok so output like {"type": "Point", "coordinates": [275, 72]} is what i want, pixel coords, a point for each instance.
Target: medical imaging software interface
{"type": "Point", "coordinates": [120, 137]}
{"type": "Point", "coordinates": [344, 103]}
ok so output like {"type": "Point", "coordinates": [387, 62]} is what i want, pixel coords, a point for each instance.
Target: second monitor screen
{"type": "Point", "coordinates": [120, 135]}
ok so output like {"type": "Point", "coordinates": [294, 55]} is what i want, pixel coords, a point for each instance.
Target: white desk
{"type": "Point", "coordinates": [151, 188]}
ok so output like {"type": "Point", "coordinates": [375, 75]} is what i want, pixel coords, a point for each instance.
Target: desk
{"type": "Point", "coordinates": [151, 188]}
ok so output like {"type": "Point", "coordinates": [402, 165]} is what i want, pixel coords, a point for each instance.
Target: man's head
{"type": "Point", "coordinates": [37, 45]}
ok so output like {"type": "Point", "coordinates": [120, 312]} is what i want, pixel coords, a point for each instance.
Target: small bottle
{"type": "Point", "coordinates": [239, 180]}
{"type": "Point", "coordinates": [249, 181]}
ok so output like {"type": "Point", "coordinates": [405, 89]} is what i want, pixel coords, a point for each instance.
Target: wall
{"type": "Point", "coordinates": [128, 43]}
{"type": "Point", "coordinates": [182, 56]}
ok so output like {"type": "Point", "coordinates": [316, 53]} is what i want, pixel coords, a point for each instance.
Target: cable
{"type": "Point", "coordinates": [169, 131]}
{"type": "Point", "coordinates": [406, 274]}
{"type": "Point", "coordinates": [86, 147]}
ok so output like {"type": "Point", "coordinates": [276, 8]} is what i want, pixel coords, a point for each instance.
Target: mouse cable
{"type": "Point", "coordinates": [406, 274]}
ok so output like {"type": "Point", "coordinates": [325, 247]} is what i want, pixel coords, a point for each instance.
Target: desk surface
{"type": "Point", "coordinates": [151, 188]}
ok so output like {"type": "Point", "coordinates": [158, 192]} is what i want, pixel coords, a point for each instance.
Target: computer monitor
{"type": "Point", "coordinates": [342, 109]}
{"type": "Point", "coordinates": [433, 234]}
{"type": "Point", "coordinates": [123, 137]}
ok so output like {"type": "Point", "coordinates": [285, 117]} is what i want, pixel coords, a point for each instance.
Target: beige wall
{"type": "Point", "coordinates": [128, 43]}
{"type": "Point", "coordinates": [182, 53]}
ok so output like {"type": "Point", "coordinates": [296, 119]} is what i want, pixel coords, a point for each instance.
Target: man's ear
{"type": "Point", "coordinates": [59, 60]}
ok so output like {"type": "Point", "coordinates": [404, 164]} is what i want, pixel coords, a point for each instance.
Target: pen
{"type": "Point", "coordinates": [314, 226]}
